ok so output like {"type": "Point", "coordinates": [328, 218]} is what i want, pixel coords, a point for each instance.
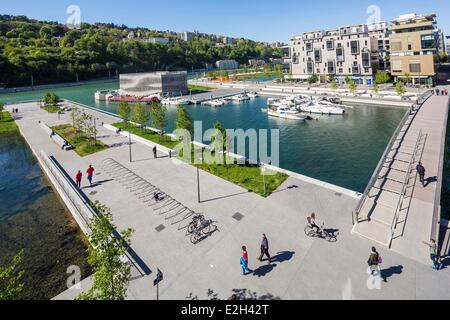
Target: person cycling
{"type": "Point", "coordinates": [312, 222]}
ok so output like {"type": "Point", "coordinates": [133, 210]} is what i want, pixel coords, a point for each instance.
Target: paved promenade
{"type": "Point", "coordinates": [303, 268]}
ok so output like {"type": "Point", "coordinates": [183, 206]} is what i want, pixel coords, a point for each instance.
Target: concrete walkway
{"type": "Point", "coordinates": [416, 208]}
{"type": "Point", "coordinates": [303, 268]}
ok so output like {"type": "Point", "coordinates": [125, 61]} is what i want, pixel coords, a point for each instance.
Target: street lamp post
{"type": "Point", "coordinates": [198, 176]}
{"type": "Point", "coordinates": [129, 143]}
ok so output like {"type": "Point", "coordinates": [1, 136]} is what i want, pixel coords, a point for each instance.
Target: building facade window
{"type": "Point", "coordinates": [309, 67]}
{"type": "Point", "coordinates": [309, 47]}
{"type": "Point", "coordinates": [330, 45]}
{"type": "Point", "coordinates": [396, 65]}
{"type": "Point", "coordinates": [317, 55]}
{"type": "Point", "coordinates": [354, 45]}
{"type": "Point", "coordinates": [331, 68]}
{"type": "Point", "coordinates": [415, 67]}
{"type": "Point", "coordinates": [366, 60]}
{"type": "Point", "coordinates": [428, 42]}
{"type": "Point", "coordinates": [340, 55]}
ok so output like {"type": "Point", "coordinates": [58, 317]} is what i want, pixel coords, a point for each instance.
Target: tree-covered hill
{"type": "Point", "coordinates": [51, 52]}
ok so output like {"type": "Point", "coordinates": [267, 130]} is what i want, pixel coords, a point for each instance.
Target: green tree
{"type": "Point", "coordinates": [141, 115]}
{"type": "Point", "coordinates": [382, 77]}
{"type": "Point", "coordinates": [184, 120]}
{"type": "Point", "coordinates": [219, 141]}
{"type": "Point", "coordinates": [347, 80]}
{"type": "Point", "coordinates": [10, 279]}
{"type": "Point", "coordinates": [158, 115]}
{"type": "Point", "coordinates": [124, 111]}
{"type": "Point", "coordinates": [400, 88]}
{"type": "Point", "coordinates": [313, 79]}
{"type": "Point", "coordinates": [111, 275]}
{"type": "Point", "coordinates": [352, 86]}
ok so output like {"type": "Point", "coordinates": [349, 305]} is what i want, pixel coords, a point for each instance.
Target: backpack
{"type": "Point", "coordinates": [380, 260]}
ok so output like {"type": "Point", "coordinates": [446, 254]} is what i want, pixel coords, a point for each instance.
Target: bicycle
{"type": "Point", "coordinates": [201, 231]}
{"type": "Point", "coordinates": [197, 221]}
{"type": "Point", "coordinates": [322, 233]}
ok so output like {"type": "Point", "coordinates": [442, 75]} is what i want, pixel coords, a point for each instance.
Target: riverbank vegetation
{"type": "Point", "coordinates": [11, 278]}
{"type": "Point", "coordinates": [7, 123]}
{"type": "Point", "coordinates": [49, 52]}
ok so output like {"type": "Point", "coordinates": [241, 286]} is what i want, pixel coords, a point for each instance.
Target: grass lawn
{"type": "Point", "coordinates": [257, 75]}
{"type": "Point", "coordinates": [51, 108]}
{"type": "Point", "coordinates": [7, 123]}
{"type": "Point", "coordinates": [244, 175]}
{"type": "Point", "coordinates": [150, 135]}
{"type": "Point", "coordinates": [200, 88]}
{"type": "Point", "coordinates": [81, 142]}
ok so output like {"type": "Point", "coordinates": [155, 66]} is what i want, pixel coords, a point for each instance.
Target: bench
{"type": "Point", "coordinates": [56, 138]}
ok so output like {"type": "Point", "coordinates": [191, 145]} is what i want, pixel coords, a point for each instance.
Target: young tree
{"type": "Point", "coordinates": [443, 57]}
{"type": "Point", "coordinates": [406, 78]}
{"type": "Point", "coordinates": [347, 79]}
{"type": "Point", "coordinates": [375, 88]}
{"type": "Point", "coordinates": [334, 85]}
{"type": "Point", "coordinates": [219, 141]}
{"type": "Point", "coordinates": [140, 115]}
{"type": "Point", "coordinates": [111, 274]}
{"type": "Point", "coordinates": [10, 279]}
{"type": "Point", "coordinates": [159, 118]}
{"type": "Point", "coordinates": [91, 129]}
{"type": "Point", "coordinates": [400, 88]}
{"type": "Point", "coordinates": [184, 120]}
{"type": "Point", "coordinates": [124, 111]}
{"type": "Point", "coordinates": [352, 86]}
{"type": "Point", "coordinates": [382, 77]}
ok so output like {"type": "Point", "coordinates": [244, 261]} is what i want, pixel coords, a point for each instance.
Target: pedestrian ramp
{"type": "Point", "coordinates": [382, 212]}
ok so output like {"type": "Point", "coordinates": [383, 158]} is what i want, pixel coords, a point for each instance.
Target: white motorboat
{"type": "Point", "coordinates": [324, 109]}
{"type": "Point", "coordinates": [240, 97]}
{"type": "Point", "coordinates": [286, 113]}
{"type": "Point", "coordinates": [175, 102]}
{"type": "Point", "coordinates": [101, 95]}
{"type": "Point", "coordinates": [214, 103]}
{"type": "Point", "coordinates": [252, 95]}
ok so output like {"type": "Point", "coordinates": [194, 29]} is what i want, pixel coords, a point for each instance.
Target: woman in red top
{"type": "Point", "coordinates": [244, 261]}
{"type": "Point", "coordinates": [78, 178]}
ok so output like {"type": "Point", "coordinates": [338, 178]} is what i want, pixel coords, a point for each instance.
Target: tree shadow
{"type": "Point", "coordinates": [387, 273]}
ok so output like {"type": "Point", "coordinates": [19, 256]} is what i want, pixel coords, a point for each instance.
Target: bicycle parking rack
{"type": "Point", "coordinates": [144, 191]}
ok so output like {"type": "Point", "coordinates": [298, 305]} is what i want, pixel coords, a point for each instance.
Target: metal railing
{"type": "Point", "coordinates": [420, 101]}
{"type": "Point", "coordinates": [83, 207]}
{"type": "Point", "coordinates": [404, 188]}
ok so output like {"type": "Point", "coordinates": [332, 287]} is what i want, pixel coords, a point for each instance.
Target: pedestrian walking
{"type": "Point", "coordinates": [374, 260]}
{"type": "Point", "coordinates": [244, 261]}
{"type": "Point", "coordinates": [265, 249]}
{"type": "Point", "coordinates": [78, 178]}
{"type": "Point", "coordinates": [421, 171]}
{"type": "Point", "coordinates": [155, 152]}
{"type": "Point", "coordinates": [90, 174]}
{"type": "Point", "coordinates": [434, 254]}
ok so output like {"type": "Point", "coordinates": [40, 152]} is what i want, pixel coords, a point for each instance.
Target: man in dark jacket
{"type": "Point", "coordinates": [265, 249]}
{"type": "Point", "coordinates": [421, 171]}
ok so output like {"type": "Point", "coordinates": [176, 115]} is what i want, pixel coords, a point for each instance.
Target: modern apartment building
{"type": "Point", "coordinates": [447, 44]}
{"type": "Point", "coordinates": [153, 84]}
{"type": "Point", "coordinates": [414, 48]}
{"type": "Point", "coordinates": [354, 51]}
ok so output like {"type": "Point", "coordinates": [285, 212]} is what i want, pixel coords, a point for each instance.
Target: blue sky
{"type": "Point", "coordinates": [255, 19]}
